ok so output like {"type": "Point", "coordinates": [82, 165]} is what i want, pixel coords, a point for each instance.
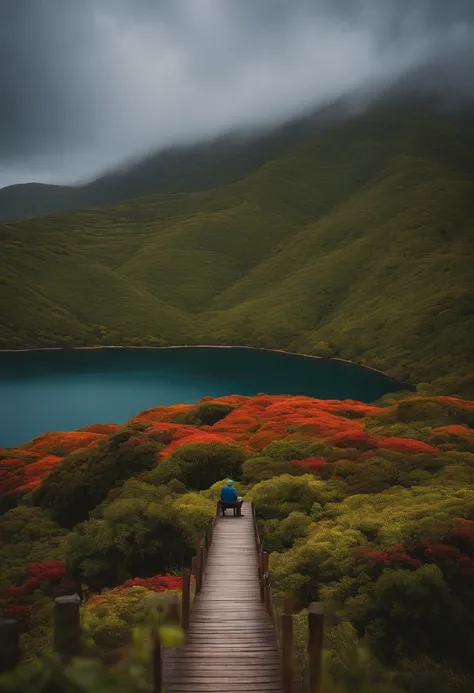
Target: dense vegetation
{"type": "Point", "coordinates": [356, 243]}
{"type": "Point", "coordinates": [366, 508]}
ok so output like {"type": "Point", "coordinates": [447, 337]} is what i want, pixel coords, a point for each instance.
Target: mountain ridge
{"type": "Point", "coordinates": [180, 168]}
{"type": "Point", "coordinates": [231, 156]}
{"type": "Point", "coordinates": [355, 243]}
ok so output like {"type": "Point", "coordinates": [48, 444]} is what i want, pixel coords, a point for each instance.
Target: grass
{"type": "Point", "coordinates": [359, 238]}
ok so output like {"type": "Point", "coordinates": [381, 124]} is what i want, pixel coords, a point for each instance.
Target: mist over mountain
{"type": "Point", "coordinates": [86, 86]}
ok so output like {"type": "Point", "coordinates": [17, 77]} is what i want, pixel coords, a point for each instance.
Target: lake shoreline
{"type": "Point", "coordinates": [211, 346]}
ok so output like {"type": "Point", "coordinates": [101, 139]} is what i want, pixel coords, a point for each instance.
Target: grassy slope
{"type": "Point", "coordinates": [361, 237]}
{"type": "Point", "coordinates": [190, 168]}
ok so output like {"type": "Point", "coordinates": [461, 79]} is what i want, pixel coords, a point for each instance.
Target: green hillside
{"type": "Point", "coordinates": [360, 238]}
{"type": "Point", "coordinates": [187, 168]}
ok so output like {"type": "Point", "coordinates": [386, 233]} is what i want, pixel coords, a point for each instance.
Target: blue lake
{"type": "Point", "coordinates": [63, 390]}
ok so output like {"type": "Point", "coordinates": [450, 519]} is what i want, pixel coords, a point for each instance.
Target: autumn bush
{"type": "Point", "coordinates": [109, 618]}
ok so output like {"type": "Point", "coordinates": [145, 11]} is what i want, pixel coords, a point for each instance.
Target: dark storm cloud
{"type": "Point", "coordinates": [87, 83]}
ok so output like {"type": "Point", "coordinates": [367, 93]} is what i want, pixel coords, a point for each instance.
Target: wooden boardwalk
{"type": "Point", "coordinates": [232, 645]}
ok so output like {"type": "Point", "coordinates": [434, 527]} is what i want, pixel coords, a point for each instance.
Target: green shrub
{"type": "Point", "coordinates": [263, 468]}
{"type": "Point", "coordinates": [205, 414]}
{"type": "Point", "coordinates": [82, 481]}
{"type": "Point", "coordinates": [282, 495]}
{"type": "Point", "coordinates": [142, 533]}
{"type": "Point", "coordinates": [293, 449]}
{"type": "Point", "coordinates": [202, 464]}
{"type": "Point", "coordinates": [28, 535]}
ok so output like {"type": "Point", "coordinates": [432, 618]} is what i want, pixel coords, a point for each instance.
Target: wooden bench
{"type": "Point", "coordinates": [236, 506]}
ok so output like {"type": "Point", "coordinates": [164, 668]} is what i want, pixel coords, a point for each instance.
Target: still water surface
{"type": "Point", "coordinates": [63, 390]}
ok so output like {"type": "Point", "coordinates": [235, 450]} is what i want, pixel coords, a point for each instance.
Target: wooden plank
{"type": "Point", "coordinates": [230, 648]}
{"type": "Point", "coordinates": [230, 670]}
{"type": "Point", "coordinates": [213, 676]}
{"type": "Point", "coordinates": [195, 684]}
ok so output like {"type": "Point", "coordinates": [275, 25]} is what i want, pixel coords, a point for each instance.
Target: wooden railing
{"type": "Point", "coordinates": [193, 579]}
{"type": "Point", "coordinates": [283, 622]}
{"type": "Point", "coordinates": [67, 632]}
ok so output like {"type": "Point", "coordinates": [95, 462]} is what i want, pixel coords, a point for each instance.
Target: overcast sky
{"type": "Point", "coordinates": [85, 84]}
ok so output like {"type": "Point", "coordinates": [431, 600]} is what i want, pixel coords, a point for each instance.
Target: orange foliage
{"type": "Point", "coordinates": [454, 433]}
{"type": "Point", "coordinates": [39, 456]}
{"type": "Point", "coordinates": [35, 472]}
{"type": "Point", "coordinates": [408, 445]}
{"type": "Point", "coordinates": [103, 429]}
{"type": "Point", "coordinates": [353, 438]}
{"type": "Point", "coordinates": [176, 435]}
{"type": "Point", "coordinates": [163, 414]}
{"type": "Point", "coordinates": [273, 417]}
{"type": "Point", "coordinates": [11, 474]}
{"type": "Point", "coordinates": [167, 414]}
{"type": "Point", "coordinates": [454, 401]}
{"type": "Point", "coordinates": [254, 423]}
{"type": "Point", "coordinates": [310, 464]}
{"type": "Point", "coordinates": [69, 441]}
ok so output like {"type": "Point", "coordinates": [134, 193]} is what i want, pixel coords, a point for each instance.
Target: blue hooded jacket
{"type": "Point", "coordinates": [228, 494]}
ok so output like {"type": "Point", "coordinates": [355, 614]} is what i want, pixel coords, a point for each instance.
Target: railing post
{"type": "Point", "coordinates": [172, 612]}
{"type": "Point", "coordinates": [260, 575]}
{"type": "Point", "coordinates": [193, 566]}
{"type": "Point", "coordinates": [185, 599]}
{"type": "Point", "coordinates": [67, 625]}
{"type": "Point", "coordinates": [286, 635]}
{"type": "Point", "coordinates": [264, 562]}
{"type": "Point", "coordinates": [156, 663]}
{"type": "Point", "coordinates": [265, 577]}
{"type": "Point", "coordinates": [267, 591]}
{"type": "Point", "coordinates": [9, 644]}
{"type": "Point", "coordinates": [209, 536]}
{"type": "Point", "coordinates": [200, 567]}
{"type": "Point", "coordinates": [268, 599]}
{"type": "Point", "coordinates": [315, 645]}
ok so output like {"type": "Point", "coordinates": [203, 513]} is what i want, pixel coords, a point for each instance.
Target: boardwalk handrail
{"type": "Point", "coordinates": [193, 579]}
{"type": "Point", "coordinates": [67, 632]}
{"type": "Point", "coordinates": [283, 623]}
{"type": "Point", "coordinates": [266, 592]}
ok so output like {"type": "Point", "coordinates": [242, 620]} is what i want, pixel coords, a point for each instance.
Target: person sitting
{"type": "Point", "coordinates": [229, 495]}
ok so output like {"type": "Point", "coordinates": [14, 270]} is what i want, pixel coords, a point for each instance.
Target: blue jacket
{"type": "Point", "coordinates": [228, 494]}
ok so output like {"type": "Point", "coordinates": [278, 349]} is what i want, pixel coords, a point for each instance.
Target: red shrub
{"type": "Point", "coordinates": [354, 438]}
{"type": "Point", "coordinates": [103, 429]}
{"type": "Point", "coordinates": [48, 577]}
{"type": "Point", "coordinates": [35, 472]}
{"type": "Point", "coordinates": [407, 445]}
{"type": "Point", "coordinates": [68, 441]}
{"type": "Point", "coordinates": [157, 583]}
{"type": "Point", "coordinates": [373, 561]}
{"type": "Point", "coordinates": [12, 474]}
{"type": "Point", "coordinates": [311, 464]}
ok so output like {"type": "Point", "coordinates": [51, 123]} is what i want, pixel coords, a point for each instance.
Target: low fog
{"type": "Point", "coordinates": [87, 84]}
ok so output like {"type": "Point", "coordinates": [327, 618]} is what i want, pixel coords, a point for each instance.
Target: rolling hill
{"type": "Point", "coordinates": [357, 242]}
{"type": "Point", "coordinates": [186, 168]}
